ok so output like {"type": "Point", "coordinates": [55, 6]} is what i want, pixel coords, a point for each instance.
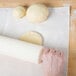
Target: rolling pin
{"type": "Point", "coordinates": [20, 50]}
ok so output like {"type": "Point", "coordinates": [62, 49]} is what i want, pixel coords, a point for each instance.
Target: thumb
{"type": "Point", "coordinates": [45, 51]}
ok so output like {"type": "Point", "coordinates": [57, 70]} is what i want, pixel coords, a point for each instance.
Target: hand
{"type": "Point", "coordinates": [53, 62]}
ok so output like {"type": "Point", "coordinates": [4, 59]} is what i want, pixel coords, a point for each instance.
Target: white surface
{"type": "Point", "coordinates": [20, 50]}
{"type": "Point", "coordinates": [55, 32]}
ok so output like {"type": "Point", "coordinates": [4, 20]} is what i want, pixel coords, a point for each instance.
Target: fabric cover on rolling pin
{"type": "Point", "coordinates": [19, 49]}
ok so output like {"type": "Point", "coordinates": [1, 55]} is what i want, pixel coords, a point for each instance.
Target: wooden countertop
{"type": "Point", "coordinates": [72, 31]}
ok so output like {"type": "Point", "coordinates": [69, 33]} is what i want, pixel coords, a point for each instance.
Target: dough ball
{"type": "Point", "coordinates": [19, 12]}
{"type": "Point", "coordinates": [37, 13]}
{"type": "Point", "coordinates": [32, 37]}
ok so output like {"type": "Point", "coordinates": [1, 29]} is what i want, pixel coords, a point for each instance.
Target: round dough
{"type": "Point", "coordinates": [19, 12]}
{"type": "Point", "coordinates": [37, 13]}
{"type": "Point", "coordinates": [32, 37]}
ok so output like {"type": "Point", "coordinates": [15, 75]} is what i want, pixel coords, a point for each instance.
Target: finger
{"type": "Point", "coordinates": [46, 50]}
{"type": "Point", "coordinates": [52, 51]}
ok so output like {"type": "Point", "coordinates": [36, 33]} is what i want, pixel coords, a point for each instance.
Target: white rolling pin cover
{"type": "Point", "coordinates": [19, 49]}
